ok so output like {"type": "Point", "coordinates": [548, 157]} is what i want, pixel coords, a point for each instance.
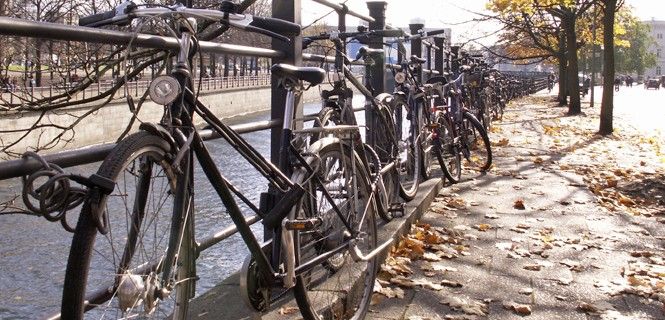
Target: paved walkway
{"type": "Point", "coordinates": [566, 225]}
{"type": "Point", "coordinates": [553, 231]}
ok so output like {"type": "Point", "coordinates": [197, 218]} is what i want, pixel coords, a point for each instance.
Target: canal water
{"type": "Point", "coordinates": [33, 255]}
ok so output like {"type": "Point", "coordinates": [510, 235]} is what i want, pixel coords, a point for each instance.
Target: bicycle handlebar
{"type": "Point", "coordinates": [128, 10]}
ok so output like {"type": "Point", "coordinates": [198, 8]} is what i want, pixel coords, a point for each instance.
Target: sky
{"type": "Point", "coordinates": [451, 14]}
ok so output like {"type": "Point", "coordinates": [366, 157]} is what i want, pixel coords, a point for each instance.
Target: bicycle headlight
{"type": "Point", "coordinates": [400, 77]}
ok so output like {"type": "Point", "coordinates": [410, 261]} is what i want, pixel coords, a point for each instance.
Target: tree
{"type": "Point", "coordinates": [635, 56]}
{"type": "Point", "coordinates": [607, 105]}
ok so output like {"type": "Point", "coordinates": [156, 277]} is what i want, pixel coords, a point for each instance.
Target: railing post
{"type": "Point", "coordinates": [377, 72]}
{"type": "Point", "coordinates": [288, 10]}
{"type": "Point", "coordinates": [438, 55]}
{"type": "Point", "coordinates": [429, 62]}
{"type": "Point", "coordinates": [417, 45]}
{"type": "Point", "coordinates": [454, 64]}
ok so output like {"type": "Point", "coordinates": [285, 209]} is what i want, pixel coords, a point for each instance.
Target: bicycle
{"type": "Point", "coordinates": [460, 134]}
{"type": "Point", "coordinates": [387, 152]}
{"type": "Point", "coordinates": [413, 104]}
{"type": "Point", "coordinates": [321, 229]}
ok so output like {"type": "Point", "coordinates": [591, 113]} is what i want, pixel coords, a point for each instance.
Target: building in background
{"type": "Point", "coordinates": [658, 33]}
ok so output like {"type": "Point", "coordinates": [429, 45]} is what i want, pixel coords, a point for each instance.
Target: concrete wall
{"type": "Point", "coordinates": [105, 124]}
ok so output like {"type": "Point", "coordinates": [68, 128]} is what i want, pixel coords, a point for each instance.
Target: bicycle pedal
{"type": "Point", "coordinates": [396, 210]}
{"type": "Point", "coordinates": [302, 224]}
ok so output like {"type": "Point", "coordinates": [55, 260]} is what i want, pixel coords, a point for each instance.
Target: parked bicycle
{"type": "Point", "coordinates": [133, 253]}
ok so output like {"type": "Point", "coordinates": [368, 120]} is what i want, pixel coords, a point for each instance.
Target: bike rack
{"type": "Point", "coordinates": [280, 52]}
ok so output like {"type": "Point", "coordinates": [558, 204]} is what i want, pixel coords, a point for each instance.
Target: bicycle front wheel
{"type": "Point", "coordinates": [476, 147]}
{"type": "Point", "coordinates": [447, 149]}
{"type": "Point", "coordinates": [338, 287]}
{"type": "Point", "coordinates": [408, 148]}
{"type": "Point", "coordinates": [125, 273]}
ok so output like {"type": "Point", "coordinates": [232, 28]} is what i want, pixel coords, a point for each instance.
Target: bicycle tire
{"type": "Point", "coordinates": [138, 156]}
{"type": "Point", "coordinates": [328, 116]}
{"type": "Point", "coordinates": [447, 149]}
{"type": "Point", "coordinates": [386, 150]}
{"type": "Point", "coordinates": [476, 143]}
{"type": "Point", "coordinates": [316, 291]}
{"type": "Point", "coordinates": [406, 126]}
{"type": "Point", "coordinates": [427, 152]}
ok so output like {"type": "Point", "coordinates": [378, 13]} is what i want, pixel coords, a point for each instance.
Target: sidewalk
{"type": "Point", "coordinates": [567, 225]}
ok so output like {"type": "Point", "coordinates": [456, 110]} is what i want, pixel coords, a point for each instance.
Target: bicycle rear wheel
{"type": "Point", "coordinates": [447, 149]}
{"type": "Point", "coordinates": [427, 150]}
{"type": "Point", "coordinates": [408, 150]}
{"type": "Point", "coordinates": [124, 273]}
{"type": "Point", "coordinates": [337, 287]}
{"type": "Point", "coordinates": [475, 143]}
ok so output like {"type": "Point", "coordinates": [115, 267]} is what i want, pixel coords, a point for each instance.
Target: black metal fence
{"type": "Point", "coordinates": [439, 60]}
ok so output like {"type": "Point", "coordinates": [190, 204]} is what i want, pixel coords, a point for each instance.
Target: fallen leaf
{"type": "Point", "coordinates": [533, 267]}
{"type": "Point", "coordinates": [519, 204]}
{"type": "Point", "coordinates": [288, 310]}
{"type": "Point", "coordinates": [483, 227]}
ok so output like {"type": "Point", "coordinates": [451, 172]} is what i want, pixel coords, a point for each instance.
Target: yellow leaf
{"type": "Point", "coordinates": [483, 227]}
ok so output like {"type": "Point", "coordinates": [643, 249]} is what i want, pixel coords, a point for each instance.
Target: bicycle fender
{"type": "Point", "coordinates": [159, 131]}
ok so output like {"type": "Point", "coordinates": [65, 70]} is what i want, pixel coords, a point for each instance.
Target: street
{"type": "Point", "coordinates": [643, 109]}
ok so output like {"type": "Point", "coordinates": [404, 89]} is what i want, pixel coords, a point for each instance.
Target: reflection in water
{"type": "Point", "coordinates": [34, 253]}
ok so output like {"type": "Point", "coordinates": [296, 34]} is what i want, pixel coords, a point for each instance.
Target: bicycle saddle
{"type": "Point", "coordinates": [312, 75]}
{"type": "Point", "coordinates": [417, 59]}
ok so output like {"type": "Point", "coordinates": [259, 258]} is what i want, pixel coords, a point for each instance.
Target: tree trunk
{"type": "Point", "coordinates": [607, 105]}
{"type": "Point", "coordinates": [226, 65]}
{"type": "Point", "coordinates": [563, 89]}
{"type": "Point", "coordinates": [568, 22]}
{"type": "Point", "coordinates": [213, 65]}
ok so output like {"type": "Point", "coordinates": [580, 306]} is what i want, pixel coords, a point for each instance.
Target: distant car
{"type": "Point", "coordinates": [652, 83]}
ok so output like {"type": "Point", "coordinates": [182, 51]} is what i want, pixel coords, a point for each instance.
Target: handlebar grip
{"type": "Point", "coordinates": [393, 33]}
{"type": "Point", "coordinates": [434, 33]}
{"type": "Point", "coordinates": [276, 25]}
{"type": "Point", "coordinates": [95, 18]}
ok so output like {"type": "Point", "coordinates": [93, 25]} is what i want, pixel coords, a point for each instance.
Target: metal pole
{"type": "Point", "coordinates": [454, 64]}
{"type": "Point", "coordinates": [438, 54]}
{"type": "Point", "coordinates": [593, 64]}
{"type": "Point", "coordinates": [377, 10]}
{"type": "Point", "coordinates": [416, 46]}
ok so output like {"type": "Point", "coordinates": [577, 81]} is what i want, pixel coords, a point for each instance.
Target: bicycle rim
{"type": "Point", "coordinates": [339, 287]}
{"type": "Point", "coordinates": [385, 148]}
{"type": "Point", "coordinates": [119, 273]}
{"type": "Point", "coordinates": [427, 152]}
{"type": "Point", "coordinates": [447, 151]}
{"type": "Point", "coordinates": [476, 142]}
{"type": "Point", "coordinates": [408, 155]}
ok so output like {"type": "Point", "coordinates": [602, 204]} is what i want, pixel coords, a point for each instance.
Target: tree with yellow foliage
{"type": "Point", "coordinates": [552, 26]}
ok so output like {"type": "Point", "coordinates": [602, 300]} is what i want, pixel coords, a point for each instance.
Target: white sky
{"type": "Point", "coordinates": [449, 13]}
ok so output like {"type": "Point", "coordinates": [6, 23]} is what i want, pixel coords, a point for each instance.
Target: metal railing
{"type": "Point", "coordinates": [132, 88]}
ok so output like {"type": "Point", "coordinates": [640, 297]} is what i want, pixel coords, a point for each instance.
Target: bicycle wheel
{"type": "Point", "coordinates": [447, 149]}
{"type": "Point", "coordinates": [385, 148]}
{"type": "Point", "coordinates": [338, 287]}
{"type": "Point", "coordinates": [485, 115]}
{"type": "Point", "coordinates": [126, 273]}
{"type": "Point", "coordinates": [408, 152]}
{"type": "Point", "coordinates": [475, 143]}
{"type": "Point", "coordinates": [427, 153]}
{"type": "Point", "coordinates": [327, 117]}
